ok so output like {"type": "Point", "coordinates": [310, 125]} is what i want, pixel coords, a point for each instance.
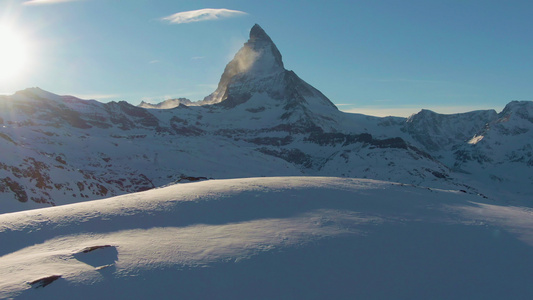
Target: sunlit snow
{"type": "Point", "coordinates": [271, 238]}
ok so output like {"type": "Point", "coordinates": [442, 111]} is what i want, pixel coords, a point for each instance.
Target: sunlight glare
{"type": "Point", "coordinates": [14, 55]}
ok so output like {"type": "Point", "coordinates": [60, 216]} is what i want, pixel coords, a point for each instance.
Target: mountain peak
{"type": "Point", "coordinates": [257, 69]}
{"type": "Point", "coordinates": [265, 53]}
{"type": "Point", "coordinates": [258, 33]}
{"type": "Point", "coordinates": [259, 57]}
{"type": "Point", "coordinates": [167, 104]}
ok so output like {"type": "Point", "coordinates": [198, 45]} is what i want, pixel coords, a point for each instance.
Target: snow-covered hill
{"type": "Point", "coordinates": [271, 238]}
{"type": "Point", "coordinates": [167, 104]}
{"type": "Point", "coordinates": [262, 120]}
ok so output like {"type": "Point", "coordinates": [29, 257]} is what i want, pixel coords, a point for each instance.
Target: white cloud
{"type": "Point", "coordinates": [205, 14]}
{"type": "Point", "coordinates": [38, 2]}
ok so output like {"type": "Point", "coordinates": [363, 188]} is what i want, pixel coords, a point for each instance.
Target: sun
{"type": "Point", "coordinates": [14, 54]}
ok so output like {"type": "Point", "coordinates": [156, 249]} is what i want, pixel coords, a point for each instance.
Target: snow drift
{"type": "Point", "coordinates": [271, 238]}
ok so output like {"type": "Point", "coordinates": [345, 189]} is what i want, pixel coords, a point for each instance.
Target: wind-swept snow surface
{"type": "Point", "coordinates": [271, 238]}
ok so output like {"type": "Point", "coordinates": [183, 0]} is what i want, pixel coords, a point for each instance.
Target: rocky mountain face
{"type": "Point", "coordinates": [262, 120]}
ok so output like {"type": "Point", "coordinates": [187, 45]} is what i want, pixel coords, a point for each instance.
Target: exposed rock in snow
{"type": "Point", "coordinates": [42, 282]}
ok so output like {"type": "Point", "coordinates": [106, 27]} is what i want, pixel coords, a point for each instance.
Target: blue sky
{"type": "Point", "coordinates": [372, 57]}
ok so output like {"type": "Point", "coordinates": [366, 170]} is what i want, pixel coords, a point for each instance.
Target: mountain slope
{"type": "Point", "coordinates": [262, 120]}
{"type": "Point", "coordinates": [167, 104]}
{"type": "Point", "coordinates": [265, 238]}
{"type": "Point", "coordinates": [70, 150]}
{"type": "Point", "coordinates": [502, 153]}
{"type": "Point", "coordinates": [257, 75]}
{"type": "Point", "coordinates": [440, 133]}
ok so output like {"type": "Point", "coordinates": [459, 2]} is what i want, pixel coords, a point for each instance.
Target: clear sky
{"type": "Point", "coordinates": [373, 57]}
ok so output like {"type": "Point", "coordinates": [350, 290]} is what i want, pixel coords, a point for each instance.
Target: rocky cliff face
{"type": "Point", "coordinates": [262, 120]}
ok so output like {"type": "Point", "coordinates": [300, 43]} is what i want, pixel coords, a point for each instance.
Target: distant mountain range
{"type": "Point", "coordinates": [262, 120]}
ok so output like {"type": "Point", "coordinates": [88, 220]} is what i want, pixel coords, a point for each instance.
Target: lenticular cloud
{"type": "Point", "coordinates": [205, 14]}
{"type": "Point", "coordinates": [38, 2]}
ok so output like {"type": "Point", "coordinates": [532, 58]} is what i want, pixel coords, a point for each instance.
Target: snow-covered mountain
{"type": "Point", "coordinates": [262, 120]}
{"type": "Point", "coordinates": [271, 238]}
{"type": "Point", "coordinates": [167, 104]}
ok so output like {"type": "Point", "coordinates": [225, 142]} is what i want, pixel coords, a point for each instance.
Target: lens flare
{"type": "Point", "coordinates": [14, 54]}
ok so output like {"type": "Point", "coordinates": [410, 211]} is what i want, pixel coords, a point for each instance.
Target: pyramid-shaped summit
{"type": "Point", "coordinates": [259, 57]}
{"type": "Point", "coordinates": [258, 68]}
{"type": "Point", "coordinates": [267, 58]}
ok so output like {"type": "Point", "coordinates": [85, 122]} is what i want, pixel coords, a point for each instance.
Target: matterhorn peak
{"type": "Point", "coordinates": [259, 57]}
{"type": "Point", "coordinates": [258, 33]}
{"type": "Point", "coordinates": [261, 43]}
{"type": "Point", "coordinates": [257, 71]}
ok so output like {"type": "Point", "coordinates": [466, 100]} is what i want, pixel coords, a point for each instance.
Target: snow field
{"type": "Point", "coordinates": [276, 237]}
